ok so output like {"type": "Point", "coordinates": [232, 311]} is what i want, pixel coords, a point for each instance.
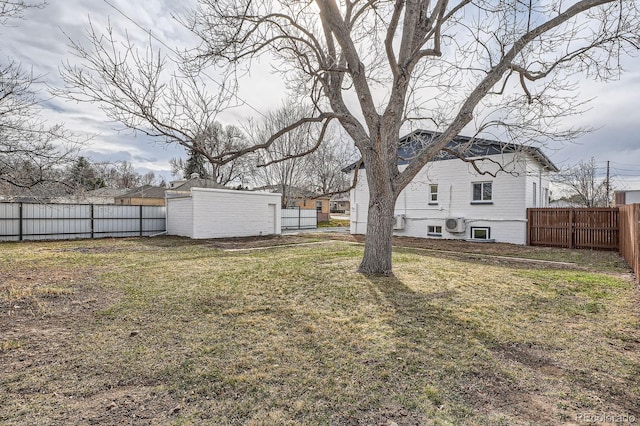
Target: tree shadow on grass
{"type": "Point", "coordinates": [440, 355]}
{"type": "Point", "coordinates": [459, 370]}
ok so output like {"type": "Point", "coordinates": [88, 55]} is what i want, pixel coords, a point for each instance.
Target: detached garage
{"type": "Point", "coordinates": [223, 213]}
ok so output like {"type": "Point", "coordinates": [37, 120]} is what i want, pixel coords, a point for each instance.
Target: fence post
{"type": "Point", "coordinates": [529, 226]}
{"type": "Point", "coordinates": [140, 219]}
{"type": "Point", "coordinates": [636, 244]}
{"type": "Point", "coordinates": [571, 227]}
{"type": "Point", "coordinates": [20, 220]}
{"type": "Point", "coordinates": [91, 214]}
{"type": "Point", "coordinates": [299, 220]}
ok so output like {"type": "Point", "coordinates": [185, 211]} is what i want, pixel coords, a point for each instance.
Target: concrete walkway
{"type": "Point", "coordinates": [336, 229]}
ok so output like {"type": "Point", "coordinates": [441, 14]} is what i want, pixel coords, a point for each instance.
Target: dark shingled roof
{"type": "Point", "coordinates": [412, 144]}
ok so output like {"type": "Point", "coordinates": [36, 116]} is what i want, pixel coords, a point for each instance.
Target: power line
{"type": "Point", "coordinates": [222, 86]}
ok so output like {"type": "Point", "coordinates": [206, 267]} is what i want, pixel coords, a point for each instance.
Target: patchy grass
{"type": "Point", "coordinates": [333, 223]}
{"type": "Point", "coordinates": [172, 331]}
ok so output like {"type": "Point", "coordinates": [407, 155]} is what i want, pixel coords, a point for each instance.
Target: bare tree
{"type": "Point", "coordinates": [486, 67]}
{"type": "Point", "coordinates": [286, 164]}
{"type": "Point", "coordinates": [150, 92]}
{"type": "Point", "coordinates": [15, 9]}
{"type": "Point", "coordinates": [217, 139]}
{"type": "Point", "coordinates": [31, 152]}
{"type": "Point", "coordinates": [583, 184]}
{"type": "Point", "coordinates": [327, 163]}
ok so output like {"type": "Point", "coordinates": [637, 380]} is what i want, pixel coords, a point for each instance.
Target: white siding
{"type": "Point", "coordinates": [505, 215]}
{"type": "Point", "coordinates": [219, 213]}
{"type": "Point", "coordinates": [180, 217]}
{"type": "Point", "coordinates": [535, 174]}
{"type": "Point", "coordinates": [632, 197]}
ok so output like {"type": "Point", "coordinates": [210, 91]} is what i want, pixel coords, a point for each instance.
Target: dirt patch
{"type": "Point", "coordinates": [40, 311]}
{"type": "Point", "coordinates": [505, 254]}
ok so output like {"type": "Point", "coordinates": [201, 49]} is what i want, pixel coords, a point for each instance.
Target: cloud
{"type": "Point", "coordinates": [39, 42]}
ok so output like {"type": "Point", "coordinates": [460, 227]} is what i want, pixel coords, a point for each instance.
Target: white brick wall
{"type": "Point", "coordinates": [512, 193]}
{"type": "Point", "coordinates": [219, 213]}
{"type": "Point", "coordinates": [180, 217]}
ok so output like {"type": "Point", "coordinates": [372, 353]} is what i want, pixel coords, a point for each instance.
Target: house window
{"type": "Point", "coordinates": [535, 195]}
{"type": "Point", "coordinates": [319, 206]}
{"type": "Point", "coordinates": [545, 200]}
{"type": "Point", "coordinates": [433, 194]}
{"type": "Point", "coordinates": [480, 233]}
{"type": "Point", "coordinates": [434, 231]}
{"type": "Point", "coordinates": [482, 192]}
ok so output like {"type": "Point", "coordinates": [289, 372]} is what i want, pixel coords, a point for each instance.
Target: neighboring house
{"type": "Point", "coordinates": [100, 196]}
{"type": "Point", "coordinates": [626, 197]}
{"type": "Point", "coordinates": [319, 203]}
{"type": "Point", "coordinates": [449, 199]}
{"type": "Point", "coordinates": [299, 198]}
{"type": "Point", "coordinates": [307, 200]}
{"type": "Point", "coordinates": [340, 204]}
{"type": "Point", "coordinates": [146, 195]}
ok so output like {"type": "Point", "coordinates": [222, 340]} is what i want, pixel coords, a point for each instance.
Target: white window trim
{"type": "Point", "coordinates": [434, 233]}
{"type": "Point", "coordinates": [482, 201]}
{"type": "Point", "coordinates": [480, 228]}
{"type": "Point", "coordinates": [431, 194]}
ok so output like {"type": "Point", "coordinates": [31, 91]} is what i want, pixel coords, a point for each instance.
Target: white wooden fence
{"type": "Point", "coordinates": [27, 221]}
{"type": "Point", "coordinates": [299, 219]}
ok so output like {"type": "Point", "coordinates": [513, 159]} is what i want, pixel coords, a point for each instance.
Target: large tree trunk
{"type": "Point", "coordinates": [378, 243]}
{"type": "Point", "coordinates": [382, 200]}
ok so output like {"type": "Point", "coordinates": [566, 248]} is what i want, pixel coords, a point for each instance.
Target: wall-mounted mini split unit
{"type": "Point", "coordinates": [454, 224]}
{"type": "Point", "coordinates": [398, 221]}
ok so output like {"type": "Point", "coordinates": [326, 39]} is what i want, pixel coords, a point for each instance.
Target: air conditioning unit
{"type": "Point", "coordinates": [454, 224]}
{"type": "Point", "coordinates": [398, 221]}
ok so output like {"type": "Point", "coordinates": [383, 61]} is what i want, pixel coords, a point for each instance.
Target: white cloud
{"type": "Point", "coordinates": [39, 42]}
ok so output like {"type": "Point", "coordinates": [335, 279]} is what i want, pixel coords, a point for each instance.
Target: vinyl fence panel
{"type": "Point", "coordinates": [10, 226]}
{"type": "Point", "coordinates": [299, 219]}
{"type": "Point", "coordinates": [26, 221]}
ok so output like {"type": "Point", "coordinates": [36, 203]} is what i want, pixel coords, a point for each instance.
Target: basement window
{"type": "Point", "coordinates": [480, 233]}
{"type": "Point", "coordinates": [434, 231]}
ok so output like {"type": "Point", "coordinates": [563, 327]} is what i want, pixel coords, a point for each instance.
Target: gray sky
{"type": "Point", "coordinates": [39, 42]}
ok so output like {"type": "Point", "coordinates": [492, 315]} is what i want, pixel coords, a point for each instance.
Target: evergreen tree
{"type": "Point", "coordinates": [84, 175]}
{"type": "Point", "coordinates": [195, 164]}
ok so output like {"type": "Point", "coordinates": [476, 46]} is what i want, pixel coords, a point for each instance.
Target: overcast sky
{"type": "Point", "coordinates": [39, 42]}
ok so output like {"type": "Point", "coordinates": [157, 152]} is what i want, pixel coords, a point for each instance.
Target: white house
{"type": "Point", "coordinates": [223, 213]}
{"type": "Point", "coordinates": [631, 196]}
{"type": "Point", "coordinates": [450, 199]}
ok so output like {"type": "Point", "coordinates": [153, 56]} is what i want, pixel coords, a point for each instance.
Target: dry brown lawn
{"type": "Point", "coordinates": [174, 331]}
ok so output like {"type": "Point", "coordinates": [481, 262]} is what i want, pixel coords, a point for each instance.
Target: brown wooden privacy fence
{"type": "Point", "coordinates": [615, 228]}
{"type": "Point", "coordinates": [630, 236]}
{"type": "Point", "coordinates": [582, 228]}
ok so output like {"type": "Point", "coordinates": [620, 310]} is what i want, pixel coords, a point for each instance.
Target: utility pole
{"type": "Point", "coordinates": [608, 186]}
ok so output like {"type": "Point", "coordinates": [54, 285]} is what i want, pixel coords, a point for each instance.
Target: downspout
{"type": "Point", "coordinates": [540, 187]}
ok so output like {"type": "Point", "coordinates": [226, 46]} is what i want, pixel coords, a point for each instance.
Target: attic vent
{"type": "Point", "coordinates": [454, 224]}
